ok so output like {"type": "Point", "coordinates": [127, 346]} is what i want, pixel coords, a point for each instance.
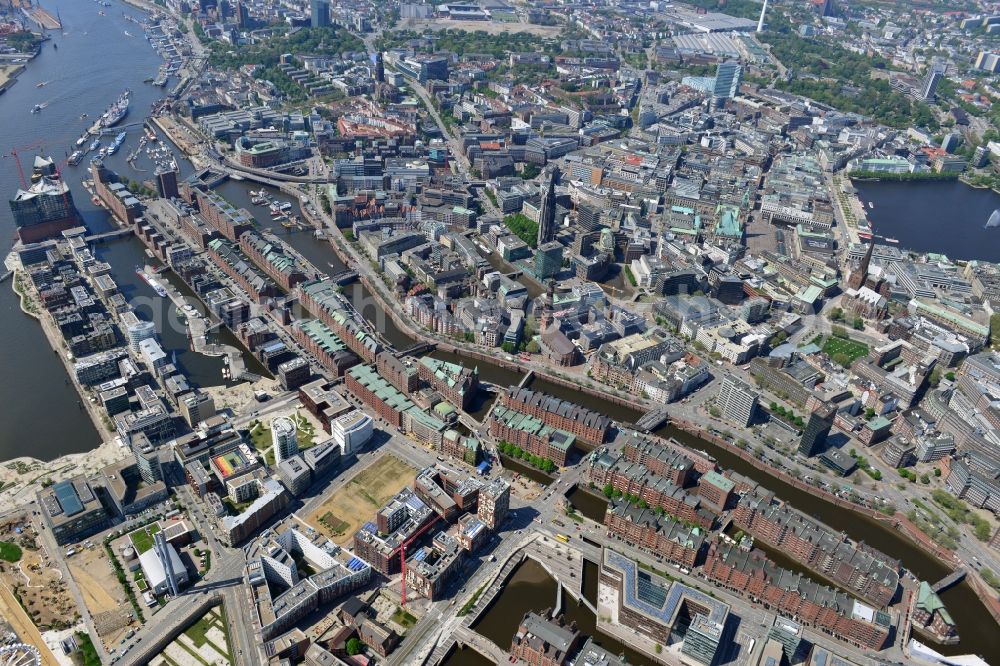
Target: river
{"type": "Point", "coordinates": [927, 216]}
{"type": "Point", "coordinates": [95, 61]}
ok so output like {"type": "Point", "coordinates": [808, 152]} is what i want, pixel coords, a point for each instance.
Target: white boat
{"type": "Point", "coordinates": [871, 205]}
{"type": "Point", "coordinates": [994, 220]}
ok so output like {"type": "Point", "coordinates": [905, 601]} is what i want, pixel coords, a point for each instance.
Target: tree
{"type": "Point", "coordinates": [836, 314]}
{"type": "Point", "coordinates": [773, 406]}
{"type": "Point", "coordinates": [858, 324]}
{"type": "Point", "coordinates": [937, 471]}
{"type": "Point", "coordinates": [523, 227]}
{"type": "Point", "coordinates": [869, 413]}
{"type": "Point", "coordinates": [354, 646]}
{"type": "Point", "coordinates": [529, 171]}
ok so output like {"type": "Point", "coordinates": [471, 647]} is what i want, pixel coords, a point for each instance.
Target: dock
{"type": "Point", "coordinates": [42, 18]}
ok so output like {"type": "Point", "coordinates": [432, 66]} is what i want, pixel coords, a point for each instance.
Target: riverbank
{"type": "Point", "coordinates": [921, 176]}
{"type": "Point", "coordinates": [8, 76]}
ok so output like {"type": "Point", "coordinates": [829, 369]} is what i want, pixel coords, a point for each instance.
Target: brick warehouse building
{"type": "Point", "coordinates": [834, 613]}
{"type": "Point", "coordinates": [669, 539]}
{"type": "Point", "coordinates": [658, 492]}
{"type": "Point", "coordinates": [588, 426]}
{"type": "Point", "coordinates": [870, 574]}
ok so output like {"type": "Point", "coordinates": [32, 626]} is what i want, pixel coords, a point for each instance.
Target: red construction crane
{"type": "Point", "coordinates": [16, 154]}
{"type": "Point", "coordinates": [402, 555]}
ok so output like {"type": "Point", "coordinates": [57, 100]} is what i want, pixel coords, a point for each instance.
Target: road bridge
{"type": "Point", "coordinates": [419, 349]}
{"type": "Point", "coordinates": [526, 380]}
{"type": "Point", "coordinates": [345, 277]}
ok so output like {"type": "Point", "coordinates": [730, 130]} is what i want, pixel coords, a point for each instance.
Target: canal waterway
{"type": "Point", "coordinates": [531, 588]}
{"type": "Point", "coordinates": [926, 216]}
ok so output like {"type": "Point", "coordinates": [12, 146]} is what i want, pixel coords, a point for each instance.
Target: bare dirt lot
{"type": "Point", "coordinates": [102, 593]}
{"type": "Point", "coordinates": [340, 516]}
{"type": "Point", "coordinates": [491, 27]}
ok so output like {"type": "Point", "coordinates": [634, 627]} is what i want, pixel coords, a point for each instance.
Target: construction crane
{"type": "Point", "coordinates": [16, 154]}
{"type": "Point", "coordinates": [402, 556]}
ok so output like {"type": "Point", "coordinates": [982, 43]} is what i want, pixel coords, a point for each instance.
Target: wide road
{"type": "Point", "coordinates": [225, 577]}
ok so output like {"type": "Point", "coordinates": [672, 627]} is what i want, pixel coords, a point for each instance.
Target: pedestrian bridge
{"type": "Point", "coordinates": [953, 578]}
{"type": "Point", "coordinates": [652, 419]}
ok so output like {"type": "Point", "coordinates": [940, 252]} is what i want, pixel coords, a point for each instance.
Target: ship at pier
{"type": "Point", "coordinates": [116, 112]}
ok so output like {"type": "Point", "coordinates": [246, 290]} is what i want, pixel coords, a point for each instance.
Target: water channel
{"type": "Point", "coordinates": [531, 588]}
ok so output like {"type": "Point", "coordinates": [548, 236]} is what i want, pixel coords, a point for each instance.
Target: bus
{"type": "Point", "coordinates": [563, 538]}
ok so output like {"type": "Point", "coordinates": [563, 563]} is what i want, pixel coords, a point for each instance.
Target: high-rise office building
{"type": "Point", "coordinates": [813, 439]}
{"type": "Point", "coordinates": [138, 331]}
{"type": "Point", "coordinates": [147, 459]}
{"type": "Point", "coordinates": [929, 87]}
{"type": "Point", "coordinates": [988, 62]}
{"type": "Point", "coordinates": [286, 442]}
{"type": "Point", "coordinates": [319, 13]}
{"type": "Point", "coordinates": [737, 401]}
{"type": "Point", "coordinates": [242, 15]}
{"type": "Point", "coordinates": [166, 183]}
{"type": "Point", "coordinates": [548, 260]}
{"type": "Point", "coordinates": [727, 80]}
{"type": "Point", "coordinates": [588, 216]}
{"type": "Point", "coordinates": [547, 211]}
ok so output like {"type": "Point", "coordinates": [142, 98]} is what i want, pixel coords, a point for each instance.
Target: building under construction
{"type": "Point", "coordinates": [44, 208]}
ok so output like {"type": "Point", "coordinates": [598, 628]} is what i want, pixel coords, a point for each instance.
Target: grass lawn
{"type": "Point", "coordinates": [844, 349]}
{"type": "Point", "coordinates": [260, 437]}
{"type": "Point", "coordinates": [142, 538]}
{"type": "Point", "coordinates": [336, 525]}
{"type": "Point", "coordinates": [305, 432]}
{"type": "Point", "coordinates": [9, 552]}
{"type": "Point", "coordinates": [88, 653]}
{"type": "Point", "coordinates": [404, 619]}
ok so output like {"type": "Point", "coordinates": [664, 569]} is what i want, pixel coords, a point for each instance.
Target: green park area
{"type": "Point", "coordinates": [9, 552]}
{"type": "Point", "coordinates": [844, 351]}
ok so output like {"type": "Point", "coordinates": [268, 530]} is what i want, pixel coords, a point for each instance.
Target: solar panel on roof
{"type": "Point", "coordinates": [415, 503]}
